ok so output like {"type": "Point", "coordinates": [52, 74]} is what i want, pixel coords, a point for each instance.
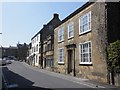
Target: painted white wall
{"type": "Point", "coordinates": [35, 41]}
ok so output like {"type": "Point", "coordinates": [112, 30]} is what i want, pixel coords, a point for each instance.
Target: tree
{"type": "Point", "coordinates": [113, 61]}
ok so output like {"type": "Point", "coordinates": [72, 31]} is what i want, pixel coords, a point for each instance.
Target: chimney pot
{"type": "Point", "coordinates": [44, 25]}
{"type": "Point", "coordinates": [55, 15]}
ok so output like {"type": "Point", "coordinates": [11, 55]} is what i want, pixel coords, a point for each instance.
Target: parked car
{"type": "Point", "coordinates": [8, 61]}
{"type": "Point", "coordinates": [5, 61]}
{"type": "Point", "coordinates": [12, 58]}
{"type": "Point", "coordinates": [5, 58]}
{"type": "Point", "coordinates": [2, 62]}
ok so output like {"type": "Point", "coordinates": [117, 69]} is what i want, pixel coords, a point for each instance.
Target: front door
{"type": "Point", "coordinates": [44, 62]}
{"type": "Point", "coordinates": [69, 61]}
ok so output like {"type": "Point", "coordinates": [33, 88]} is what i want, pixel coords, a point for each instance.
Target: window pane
{"type": "Point", "coordinates": [70, 30]}
{"type": "Point", "coordinates": [85, 22]}
{"type": "Point", "coordinates": [85, 52]}
{"type": "Point", "coordinates": [60, 55]}
{"type": "Point", "coordinates": [61, 34]}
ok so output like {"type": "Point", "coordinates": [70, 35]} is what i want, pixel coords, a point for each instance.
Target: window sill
{"type": "Point", "coordinates": [84, 32]}
{"type": "Point", "coordinates": [70, 38]}
{"type": "Point", "coordinates": [61, 63]}
{"type": "Point", "coordinates": [86, 64]}
{"type": "Point", "coordinates": [60, 41]}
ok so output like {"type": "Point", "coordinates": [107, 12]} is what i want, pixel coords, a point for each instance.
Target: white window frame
{"type": "Point", "coordinates": [88, 15]}
{"type": "Point", "coordinates": [88, 62]}
{"type": "Point", "coordinates": [33, 41]}
{"type": "Point", "coordinates": [70, 24]}
{"type": "Point", "coordinates": [61, 31]}
{"type": "Point", "coordinates": [61, 62]}
{"type": "Point", "coordinates": [37, 38]}
{"type": "Point", "coordinates": [36, 47]}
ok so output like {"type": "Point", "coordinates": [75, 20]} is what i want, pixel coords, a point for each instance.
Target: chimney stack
{"type": "Point", "coordinates": [55, 15]}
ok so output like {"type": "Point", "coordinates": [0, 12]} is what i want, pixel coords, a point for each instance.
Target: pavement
{"type": "Point", "coordinates": [86, 82]}
{"type": "Point", "coordinates": [28, 76]}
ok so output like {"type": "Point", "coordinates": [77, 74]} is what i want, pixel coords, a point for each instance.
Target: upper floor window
{"type": "Point", "coordinates": [70, 30]}
{"type": "Point", "coordinates": [37, 38]}
{"type": "Point", "coordinates": [60, 34]}
{"type": "Point", "coordinates": [60, 55]}
{"type": "Point", "coordinates": [85, 23]}
{"type": "Point", "coordinates": [44, 48]}
{"type": "Point", "coordinates": [34, 49]}
{"type": "Point", "coordinates": [85, 53]}
{"type": "Point", "coordinates": [37, 47]}
{"type": "Point", "coordinates": [33, 41]}
{"type": "Point", "coordinates": [49, 47]}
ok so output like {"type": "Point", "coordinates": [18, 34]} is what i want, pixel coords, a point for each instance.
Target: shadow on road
{"type": "Point", "coordinates": [23, 83]}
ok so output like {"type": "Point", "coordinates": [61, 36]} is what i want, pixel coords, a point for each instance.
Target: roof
{"type": "Point", "coordinates": [10, 47]}
{"type": "Point", "coordinates": [67, 18]}
{"type": "Point", "coordinates": [51, 22]}
{"type": "Point", "coordinates": [56, 16]}
{"type": "Point", "coordinates": [76, 12]}
{"type": "Point", "coordinates": [35, 35]}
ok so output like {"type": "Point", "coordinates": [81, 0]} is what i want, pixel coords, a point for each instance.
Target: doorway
{"type": "Point", "coordinates": [70, 61]}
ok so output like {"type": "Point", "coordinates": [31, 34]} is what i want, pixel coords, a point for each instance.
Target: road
{"type": "Point", "coordinates": [26, 76]}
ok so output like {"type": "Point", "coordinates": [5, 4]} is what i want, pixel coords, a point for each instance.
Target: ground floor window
{"type": "Point", "coordinates": [60, 55]}
{"type": "Point", "coordinates": [85, 52]}
{"type": "Point", "coordinates": [49, 62]}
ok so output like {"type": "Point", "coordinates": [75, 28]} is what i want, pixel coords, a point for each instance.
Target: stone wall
{"type": "Point", "coordinates": [98, 69]}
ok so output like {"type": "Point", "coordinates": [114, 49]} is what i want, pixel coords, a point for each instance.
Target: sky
{"type": "Point", "coordinates": [20, 21]}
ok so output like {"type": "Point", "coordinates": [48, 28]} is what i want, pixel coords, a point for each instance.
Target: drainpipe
{"type": "Point", "coordinates": [74, 64]}
{"type": "Point", "coordinates": [108, 72]}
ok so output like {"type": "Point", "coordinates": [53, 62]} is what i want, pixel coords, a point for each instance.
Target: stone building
{"type": "Point", "coordinates": [9, 51]}
{"type": "Point", "coordinates": [22, 51]}
{"type": "Point", "coordinates": [80, 41]}
{"type": "Point", "coordinates": [48, 52]}
{"type": "Point", "coordinates": [47, 42]}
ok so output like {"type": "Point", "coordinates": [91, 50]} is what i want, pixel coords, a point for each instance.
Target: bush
{"type": "Point", "coordinates": [114, 57]}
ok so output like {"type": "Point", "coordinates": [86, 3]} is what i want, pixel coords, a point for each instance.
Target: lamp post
{"type": "Point", "coordinates": [1, 49]}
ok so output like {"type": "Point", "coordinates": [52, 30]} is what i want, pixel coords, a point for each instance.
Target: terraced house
{"type": "Point", "coordinates": [41, 48]}
{"type": "Point", "coordinates": [35, 49]}
{"type": "Point", "coordinates": [81, 40]}
{"type": "Point", "coordinates": [47, 42]}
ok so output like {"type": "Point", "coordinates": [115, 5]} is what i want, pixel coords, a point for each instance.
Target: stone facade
{"type": "Point", "coordinates": [47, 42]}
{"type": "Point", "coordinates": [48, 52]}
{"type": "Point", "coordinates": [98, 36]}
{"type": "Point", "coordinates": [104, 28]}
